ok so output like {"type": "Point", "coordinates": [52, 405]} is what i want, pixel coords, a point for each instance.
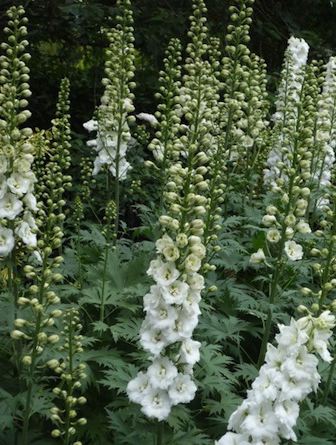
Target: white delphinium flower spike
{"type": "Point", "coordinates": [270, 411]}
{"type": "Point", "coordinates": [111, 122]}
{"type": "Point", "coordinates": [286, 107]}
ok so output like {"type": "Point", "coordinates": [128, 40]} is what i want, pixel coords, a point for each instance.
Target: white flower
{"type": "Point", "coordinates": [192, 263]}
{"type": "Point", "coordinates": [138, 388]}
{"type": "Point", "coordinates": [291, 336]}
{"type": "Point", "coordinates": [287, 413]}
{"type": "Point", "coordinates": [6, 241]}
{"type": "Point", "coordinates": [233, 439]}
{"type": "Point", "coordinates": [165, 274]}
{"type": "Point", "coordinates": [156, 404]}
{"type": "Point", "coordinates": [10, 206]}
{"type": "Point", "coordinates": [175, 293]}
{"type": "Point", "coordinates": [273, 236]}
{"type": "Point", "coordinates": [190, 351]}
{"type": "Point", "coordinates": [150, 118]}
{"type": "Point", "coordinates": [153, 340]}
{"type": "Point", "coordinates": [30, 202]}
{"type": "Point", "coordinates": [299, 49]}
{"type": "Point", "coordinates": [303, 227]}
{"type": "Point", "coordinates": [258, 257]}
{"type": "Point", "coordinates": [162, 316]}
{"type": "Point", "coordinates": [161, 373]}
{"type": "Point", "coordinates": [293, 250]}
{"type": "Point", "coordinates": [163, 242]}
{"type": "Point", "coordinates": [91, 125]}
{"type": "Point", "coordinates": [260, 422]}
{"type": "Point", "coordinates": [23, 231]}
{"type": "Point", "coordinates": [196, 281]}
{"type": "Point", "coordinates": [18, 184]}
{"type": "Point", "coordinates": [182, 390]}
{"type": "Point", "coordinates": [171, 253]}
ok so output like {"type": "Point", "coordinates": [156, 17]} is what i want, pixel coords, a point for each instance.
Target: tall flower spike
{"type": "Point", "coordinates": [71, 373]}
{"type": "Point", "coordinates": [287, 107]}
{"type": "Point", "coordinates": [324, 153]}
{"type": "Point", "coordinates": [38, 307]}
{"type": "Point", "coordinates": [17, 200]}
{"type": "Point", "coordinates": [290, 192]}
{"type": "Point", "coordinates": [168, 115]}
{"type": "Point", "coordinates": [270, 411]}
{"type": "Point", "coordinates": [111, 125]}
{"type": "Point", "coordinates": [172, 305]}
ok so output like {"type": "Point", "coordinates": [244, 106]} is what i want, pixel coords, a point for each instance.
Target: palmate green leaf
{"type": "Point", "coordinates": [118, 375]}
{"type": "Point", "coordinates": [127, 328]}
{"type": "Point", "coordinates": [314, 440]}
{"type": "Point", "coordinates": [247, 372]}
{"type": "Point", "coordinates": [319, 414]}
{"type": "Point", "coordinates": [220, 329]}
{"type": "Point", "coordinates": [214, 367]}
{"type": "Point", "coordinates": [103, 357]}
{"type": "Point", "coordinates": [194, 436]}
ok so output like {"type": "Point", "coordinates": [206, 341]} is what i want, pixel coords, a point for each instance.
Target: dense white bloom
{"type": "Point", "coordinates": [10, 206]}
{"type": "Point", "coordinates": [289, 374]}
{"type": "Point", "coordinates": [161, 373]}
{"type": "Point", "coordinates": [6, 241]}
{"type": "Point", "coordinates": [156, 403]}
{"type": "Point", "coordinates": [24, 232]}
{"type": "Point", "coordinates": [182, 390]}
{"type": "Point", "coordinates": [151, 339]}
{"type": "Point", "coordinates": [138, 388]}
{"type": "Point", "coordinates": [293, 250]}
{"type": "Point", "coordinates": [233, 439]}
{"type": "Point", "coordinates": [190, 351]}
{"type": "Point", "coordinates": [175, 293]}
{"type": "Point", "coordinates": [164, 273]}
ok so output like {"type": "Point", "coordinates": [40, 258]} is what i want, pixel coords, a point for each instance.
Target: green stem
{"type": "Point", "coordinates": [329, 382]}
{"type": "Point", "coordinates": [34, 355]}
{"type": "Point", "coordinates": [160, 434]}
{"type": "Point", "coordinates": [102, 303]}
{"type": "Point", "coordinates": [70, 384]}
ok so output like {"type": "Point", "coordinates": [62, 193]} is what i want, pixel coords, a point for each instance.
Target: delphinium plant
{"type": "Point", "coordinates": [172, 305]}
{"type": "Point", "coordinates": [17, 200]}
{"type": "Point", "coordinates": [38, 305]}
{"type": "Point", "coordinates": [288, 177]}
{"type": "Point", "coordinates": [167, 114]}
{"type": "Point", "coordinates": [289, 374]}
{"type": "Point", "coordinates": [323, 156]}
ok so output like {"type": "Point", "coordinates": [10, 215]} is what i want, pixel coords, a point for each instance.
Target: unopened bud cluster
{"type": "Point", "coordinates": [70, 372]}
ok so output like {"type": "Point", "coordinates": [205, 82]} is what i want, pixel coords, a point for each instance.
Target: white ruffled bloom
{"type": "Point", "coordinates": [161, 373]}
{"type": "Point", "coordinates": [293, 250]}
{"type": "Point", "coordinates": [24, 232]}
{"type": "Point", "coordinates": [156, 403]}
{"type": "Point", "coordinates": [270, 411]}
{"type": "Point", "coordinates": [182, 390]}
{"type": "Point", "coordinates": [258, 257]}
{"type": "Point", "coordinates": [7, 241]}
{"type": "Point", "coordinates": [138, 388]}
{"type": "Point", "coordinates": [150, 118]}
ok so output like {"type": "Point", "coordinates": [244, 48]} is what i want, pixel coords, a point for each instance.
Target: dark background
{"type": "Point", "coordinates": [65, 40]}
